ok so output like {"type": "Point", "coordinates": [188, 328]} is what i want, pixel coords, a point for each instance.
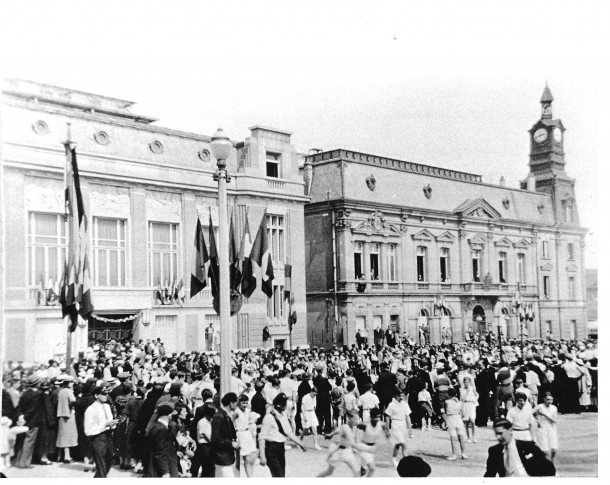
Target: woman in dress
{"type": "Point", "coordinates": [397, 419]}
{"type": "Point", "coordinates": [546, 413]}
{"type": "Point", "coordinates": [522, 418]}
{"type": "Point", "coordinates": [245, 426]}
{"type": "Point", "coordinates": [120, 432]}
{"type": "Point", "coordinates": [67, 434]}
{"type": "Point", "coordinates": [470, 400]}
{"type": "Point", "coordinates": [309, 420]}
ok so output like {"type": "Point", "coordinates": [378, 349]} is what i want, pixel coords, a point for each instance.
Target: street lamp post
{"type": "Point", "coordinates": [221, 146]}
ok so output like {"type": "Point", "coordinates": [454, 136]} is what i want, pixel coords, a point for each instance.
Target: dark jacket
{"type": "Point", "coordinates": [323, 387]}
{"type": "Point", "coordinates": [163, 447]}
{"type": "Point", "coordinates": [259, 405]}
{"type": "Point", "coordinates": [223, 435]}
{"type": "Point", "coordinates": [533, 459]}
{"type": "Point", "coordinates": [8, 409]}
{"type": "Point", "coordinates": [385, 387]}
{"type": "Point", "coordinates": [31, 407]}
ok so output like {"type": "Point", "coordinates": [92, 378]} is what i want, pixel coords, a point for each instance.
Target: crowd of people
{"type": "Point", "coordinates": [134, 406]}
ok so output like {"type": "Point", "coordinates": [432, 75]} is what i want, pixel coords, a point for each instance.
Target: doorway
{"type": "Point", "coordinates": [478, 320]}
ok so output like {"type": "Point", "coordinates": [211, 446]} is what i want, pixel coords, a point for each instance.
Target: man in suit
{"type": "Point", "coordinates": [303, 389]}
{"type": "Point", "coordinates": [385, 387]}
{"type": "Point", "coordinates": [514, 458]}
{"type": "Point", "coordinates": [31, 405]}
{"type": "Point", "coordinates": [224, 438]}
{"type": "Point", "coordinates": [164, 455]}
{"type": "Point", "coordinates": [323, 386]}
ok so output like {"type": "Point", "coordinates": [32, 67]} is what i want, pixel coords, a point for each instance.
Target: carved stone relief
{"type": "Point", "coordinates": [109, 201]}
{"type": "Point", "coordinates": [376, 223]}
{"type": "Point", "coordinates": [44, 195]}
{"type": "Point", "coordinates": [163, 206]}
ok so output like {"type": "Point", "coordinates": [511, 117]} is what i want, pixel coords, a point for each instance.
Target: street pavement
{"type": "Point", "coordinates": [577, 456]}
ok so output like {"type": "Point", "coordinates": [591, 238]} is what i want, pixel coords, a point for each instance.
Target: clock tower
{"type": "Point", "coordinates": [547, 162]}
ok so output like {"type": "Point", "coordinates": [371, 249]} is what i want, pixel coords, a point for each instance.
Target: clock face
{"type": "Point", "coordinates": [557, 135]}
{"type": "Point", "coordinates": [540, 135]}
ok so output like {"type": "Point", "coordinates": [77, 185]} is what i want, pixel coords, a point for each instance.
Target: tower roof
{"type": "Point", "coordinates": [547, 97]}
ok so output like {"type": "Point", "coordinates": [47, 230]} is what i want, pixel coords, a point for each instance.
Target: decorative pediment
{"type": "Point", "coordinates": [547, 267]}
{"type": "Point", "coordinates": [522, 243]}
{"type": "Point", "coordinates": [477, 208]}
{"type": "Point", "coordinates": [446, 237]}
{"type": "Point", "coordinates": [504, 243]}
{"type": "Point", "coordinates": [423, 235]}
{"type": "Point", "coordinates": [571, 268]}
{"type": "Point", "coordinates": [477, 240]}
{"type": "Point", "coordinates": [377, 224]}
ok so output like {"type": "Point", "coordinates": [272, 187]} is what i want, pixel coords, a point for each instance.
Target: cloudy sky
{"type": "Point", "coordinates": [445, 83]}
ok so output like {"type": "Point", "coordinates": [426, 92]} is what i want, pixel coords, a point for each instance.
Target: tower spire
{"type": "Point", "coordinates": [546, 100]}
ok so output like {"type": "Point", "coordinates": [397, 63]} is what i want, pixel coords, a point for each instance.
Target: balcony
{"type": "Point", "coordinates": [275, 184]}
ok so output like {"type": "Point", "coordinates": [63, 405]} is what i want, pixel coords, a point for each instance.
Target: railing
{"type": "Point", "coordinates": [275, 184]}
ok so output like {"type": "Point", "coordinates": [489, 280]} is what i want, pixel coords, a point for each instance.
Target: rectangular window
{"type": "Point", "coordinates": [571, 288]}
{"type": "Point", "coordinates": [444, 263]}
{"type": "Point", "coordinates": [502, 267]}
{"type": "Point", "coordinates": [275, 305]}
{"type": "Point", "coordinates": [545, 249]}
{"type": "Point", "coordinates": [162, 253]}
{"type": "Point", "coordinates": [275, 237]}
{"type": "Point", "coordinates": [521, 268]}
{"type": "Point", "coordinates": [546, 286]}
{"type": "Point", "coordinates": [374, 261]}
{"type": "Point", "coordinates": [357, 260]}
{"type": "Point", "coordinates": [421, 263]}
{"type": "Point", "coordinates": [109, 250]}
{"type": "Point", "coordinates": [392, 262]}
{"type": "Point", "coordinates": [47, 250]}
{"type": "Point", "coordinates": [547, 330]}
{"type": "Point", "coordinates": [476, 265]}
{"type": "Point", "coordinates": [273, 164]}
{"type": "Point", "coordinates": [570, 250]}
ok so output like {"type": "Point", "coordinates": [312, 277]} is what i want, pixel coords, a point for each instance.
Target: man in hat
{"type": "Point", "coordinates": [122, 387]}
{"type": "Point", "coordinates": [514, 458]}
{"type": "Point", "coordinates": [31, 406]}
{"type": "Point", "coordinates": [164, 455]}
{"type": "Point", "coordinates": [99, 423]}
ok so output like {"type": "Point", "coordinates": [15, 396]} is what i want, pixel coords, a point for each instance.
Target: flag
{"type": "Point", "coordinates": [234, 268]}
{"type": "Point", "coordinates": [158, 294]}
{"type": "Point", "coordinates": [248, 279]}
{"type": "Point", "coordinates": [214, 269]}
{"type": "Point", "coordinates": [261, 258]}
{"type": "Point", "coordinates": [75, 295]}
{"type": "Point", "coordinates": [287, 281]}
{"type": "Point", "coordinates": [179, 293]}
{"type": "Point", "coordinates": [199, 277]}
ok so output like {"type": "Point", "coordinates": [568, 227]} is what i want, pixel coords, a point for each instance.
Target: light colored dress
{"type": "Point", "coordinates": [243, 421]}
{"type": "Point", "coordinates": [398, 411]}
{"type": "Point", "coordinates": [547, 432]}
{"type": "Point", "coordinates": [308, 412]}
{"type": "Point", "coordinates": [522, 421]}
{"type": "Point", "coordinates": [67, 434]}
{"type": "Point", "coordinates": [470, 401]}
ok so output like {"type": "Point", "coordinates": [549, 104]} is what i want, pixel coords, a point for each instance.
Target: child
{"type": "Point", "coordinates": [452, 413]}
{"type": "Point", "coordinates": [470, 400]}
{"type": "Point", "coordinates": [547, 422]}
{"type": "Point", "coordinates": [243, 419]}
{"type": "Point", "coordinates": [309, 419]}
{"type": "Point", "coordinates": [7, 440]}
{"type": "Point", "coordinates": [398, 422]}
{"type": "Point", "coordinates": [425, 405]}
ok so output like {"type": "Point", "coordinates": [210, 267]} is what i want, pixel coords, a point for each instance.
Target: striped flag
{"type": "Point", "coordinates": [214, 269]}
{"type": "Point", "coordinates": [287, 281]}
{"type": "Point", "coordinates": [199, 277]}
{"type": "Point", "coordinates": [248, 279]}
{"type": "Point", "coordinates": [261, 258]}
{"type": "Point", "coordinates": [75, 295]}
{"type": "Point", "coordinates": [234, 262]}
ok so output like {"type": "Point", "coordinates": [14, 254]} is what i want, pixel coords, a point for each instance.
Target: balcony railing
{"type": "Point", "coordinates": [275, 184]}
{"type": "Point", "coordinates": [477, 288]}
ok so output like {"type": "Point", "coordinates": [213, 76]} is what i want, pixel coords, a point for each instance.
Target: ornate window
{"type": "Point", "coordinates": [392, 262]}
{"type": "Point", "coordinates": [357, 260]}
{"type": "Point", "coordinates": [275, 236]}
{"type": "Point", "coordinates": [162, 253]}
{"type": "Point", "coordinates": [444, 265]}
{"type": "Point", "coordinates": [109, 251]}
{"type": "Point", "coordinates": [422, 263]}
{"type": "Point", "coordinates": [275, 305]}
{"type": "Point", "coordinates": [273, 164]}
{"type": "Point", "coordinates": [521, 268]}
{"type": "Point", "coordinates": [546, 286]}
{"type": "Point", "coordinates": [502, 267]}
{"type": "Point", "coordinates": [47, 250]}
{"type": "Point", "coordinates": [374, 261]}
{"type": "Point", "coordinates": [476, 265]}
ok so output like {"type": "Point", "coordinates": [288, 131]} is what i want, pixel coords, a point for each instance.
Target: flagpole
{"type": "Point", "coordinates": [68, 144]}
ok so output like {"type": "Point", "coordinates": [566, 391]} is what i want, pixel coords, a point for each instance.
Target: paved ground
{"type": "Point", "coordinates": [578, 455]}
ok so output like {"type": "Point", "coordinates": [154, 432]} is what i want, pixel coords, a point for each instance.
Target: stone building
{"type": "Point", "coordinates": [143, 186]}
{"type": "Point", "coordinates": [439, 250]}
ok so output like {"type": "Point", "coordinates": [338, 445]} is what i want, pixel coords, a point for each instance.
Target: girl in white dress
{"type": "Point", "coordinates": [245, 425]}
{"type": "Point", "coordinates": [470, 400]}
{"type": "Point", "coordinates": [309, 420]}
{"type": "Point", "coordinates": [546, 413]}
{"type": "Point", "coordinates": [398, 421]}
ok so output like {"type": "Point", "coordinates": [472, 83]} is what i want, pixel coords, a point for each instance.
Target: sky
{"type": "Point", "coordinates": [444, 83]}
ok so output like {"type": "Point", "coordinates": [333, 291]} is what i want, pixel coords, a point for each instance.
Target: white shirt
{"type": "Point", "coordinates": [270, 430]}
{"type": "Point", "coordinates": [369, 401]}
{"type": "Point", "coordinates": [204, 431]}
{"type": "Point", "coordinates": [96, 417]}
{"type": "Point", "coordinates": [512, 461]}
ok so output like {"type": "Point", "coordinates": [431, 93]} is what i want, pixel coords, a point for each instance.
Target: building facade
{"type": "Point", "coordinates": [437, 254]}
{"type": "Point", "coordinates": [143, 187]}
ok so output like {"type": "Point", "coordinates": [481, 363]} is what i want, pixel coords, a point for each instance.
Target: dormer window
{"type": "Point", "coordinates": [273, 164]}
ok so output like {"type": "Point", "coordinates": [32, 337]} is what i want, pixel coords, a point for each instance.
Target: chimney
{"type": "Point", "coordinates": [313, 151]}
{"type": "Point", "coordinates": [502, 181]}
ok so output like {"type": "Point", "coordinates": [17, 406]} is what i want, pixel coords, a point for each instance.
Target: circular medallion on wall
{"type": "Point", "coordinates": [102, 138]}
{"type": "Point", "coordinates": [40, 127]}
{"type": "Point", "coordinates": [204, 155]}
{"type": "Point", "coordinates": [156, 146]}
